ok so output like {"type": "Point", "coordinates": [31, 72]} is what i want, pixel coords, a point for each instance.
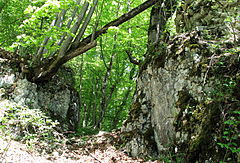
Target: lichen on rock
{"type": "Point", "coordinates": [183, 88]}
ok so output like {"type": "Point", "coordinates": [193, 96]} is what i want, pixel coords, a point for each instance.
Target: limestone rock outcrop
{"type": "Point", "coordinates": [57, 98]}
{"type": "Point", "coordinates": [183, 93]}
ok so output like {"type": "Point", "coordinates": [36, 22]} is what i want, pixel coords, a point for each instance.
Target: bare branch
{"type": "Point", "coordinates": [116, 22]}
{"type": "Point", "coordinates": [70, 22]}
{"type": "Point", "coordinates": [101, 54]}
{"type": "Point", "coordinates": [81, 50]}
{"type": "Point", "coordinates": [84, 26]}
{"type": "Point", "coordinates": [56, 22]}
{"type": "Point", "coordinates": [132, 59]}
{"type": "Point", "coordinates": [60, 18]}
{"type": "Point", "coordinates": [68, 26]}
{"type": "Point", "coordinates": [74, 29]}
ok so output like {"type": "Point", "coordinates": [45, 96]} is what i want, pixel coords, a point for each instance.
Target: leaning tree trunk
{"type": "Point", "coordinates": [45, 68]}
{"type": "Point", "coordinates": [171, 111]}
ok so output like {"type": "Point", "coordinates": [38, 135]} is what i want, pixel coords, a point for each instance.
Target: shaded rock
{"type": "Point", "coordinates": [180, 98]}
{"type": "Point", "coordinates": [56, 98]}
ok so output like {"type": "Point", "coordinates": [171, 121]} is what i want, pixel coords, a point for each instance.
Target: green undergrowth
{"type": "Point", "coordinates": [30, 126]}
{"type": "Point", "coordinates": [230, 137]}
{"type": "Point", "coordinates": [228, 93]}
{"type": "Point", "coordinates": [172, 157]}
{"type": "Point", "coordinates": [83, 131]}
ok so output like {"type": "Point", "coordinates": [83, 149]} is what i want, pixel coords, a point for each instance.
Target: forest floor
{"type": "Point", "coordinates": [92, 149]}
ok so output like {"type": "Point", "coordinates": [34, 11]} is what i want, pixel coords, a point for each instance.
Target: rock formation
{"type": "Point", "coordinates": [175, 106]}
{"type": "Point", "coordinates": [57, 98]}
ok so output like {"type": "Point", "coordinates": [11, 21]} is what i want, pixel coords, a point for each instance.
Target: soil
{"type": "Point", "coordinates": [90, 149]}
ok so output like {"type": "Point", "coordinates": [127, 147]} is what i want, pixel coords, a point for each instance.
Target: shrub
{"type": "Point", "coordinates": [31, 126]}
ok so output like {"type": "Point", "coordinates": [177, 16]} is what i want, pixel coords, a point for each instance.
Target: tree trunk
{"type": "Point", "coordinates": [71, 49]}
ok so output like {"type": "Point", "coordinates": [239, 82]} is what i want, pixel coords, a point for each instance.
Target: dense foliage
{"type": "Point", "coordinates": [104, 76]}
{"type": "Point", "coordinates": [12, 16]}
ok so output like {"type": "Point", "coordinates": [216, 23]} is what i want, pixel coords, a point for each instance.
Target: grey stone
{"type": "Point", "coordinates": [7, 80]}
{"type": "Point", "coordinates": [56, 98]}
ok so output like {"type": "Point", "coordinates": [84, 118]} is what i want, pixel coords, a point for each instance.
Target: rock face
{"type": "Point", "coordinates": [56, 97]}
{"type": "Point", "coordinates": [175, 107]}
{"type": "Point", "coordinates": [162, 90]}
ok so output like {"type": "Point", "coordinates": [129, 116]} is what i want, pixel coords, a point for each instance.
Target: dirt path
{"type": "Point", "coordinates": [96, 149]}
